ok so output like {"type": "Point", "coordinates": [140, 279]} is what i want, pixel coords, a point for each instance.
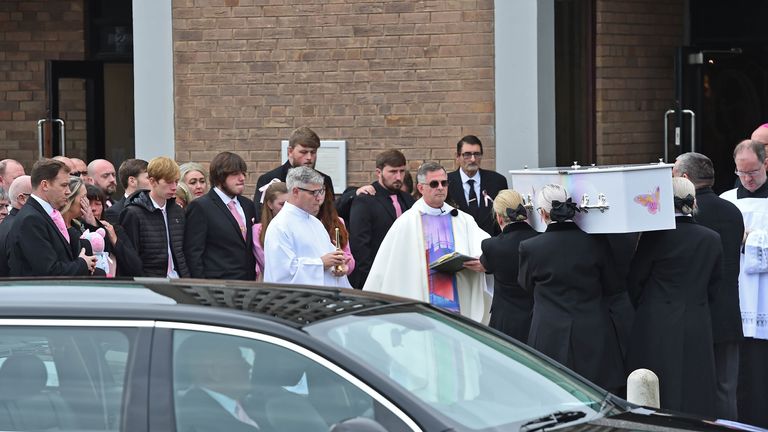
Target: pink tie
{"type": "Point", "coordinates": [59, 221]}
{"type": "Point", "coordinates": [396, 203]}
{"type": "Point", "coordinates": [243, 416]}
{"type": "Point", "coordinates": [238, 218]}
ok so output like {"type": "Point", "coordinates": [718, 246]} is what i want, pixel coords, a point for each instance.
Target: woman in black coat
{"type": "Point", "coordinates": [673, 278]}
{"type": "Point", "coordinates": [512, 306]}
{"type": "Point", "coordinates": [571, 274]}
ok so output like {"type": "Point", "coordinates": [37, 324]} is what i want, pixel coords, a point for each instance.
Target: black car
{"type": "Point", "coordinates": [194, 355]}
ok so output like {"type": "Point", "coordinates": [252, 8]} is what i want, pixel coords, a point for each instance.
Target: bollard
{"type": "Point", "coordinates": [643, 388]}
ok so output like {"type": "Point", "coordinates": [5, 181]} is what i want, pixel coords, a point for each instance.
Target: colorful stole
{"type": "Point", "coordinates": [438, 239]}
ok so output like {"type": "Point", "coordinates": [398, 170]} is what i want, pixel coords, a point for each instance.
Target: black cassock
{"type": "Point", "coordinates": [571, 275]}
{"type": "Point", "coordinates": [512, 306]}
{"type": "Point", "coordinates": [674, 277]}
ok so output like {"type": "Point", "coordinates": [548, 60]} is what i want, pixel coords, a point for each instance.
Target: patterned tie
{"type": "Point", "coordinates": [59, 221]}
{"type": "Point", "coordinates": [396, 203]}
{"type": "Point", "coordinates": [472, 195]}
{"type": "Point", "coordinates": [240, 222]}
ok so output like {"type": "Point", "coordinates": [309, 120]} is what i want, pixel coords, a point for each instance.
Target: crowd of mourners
{"type": "Point", "coordinates": [679, 302]}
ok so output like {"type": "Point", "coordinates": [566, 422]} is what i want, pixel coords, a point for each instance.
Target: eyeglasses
{"type": "Point", "coordinates": [468, 155]}
{"type": "Point", "coordinates": [748, 173]}
{"type": "Point", "coordinates": [435, 183]}
{"type": "Point", "coordinates": [315, 192]}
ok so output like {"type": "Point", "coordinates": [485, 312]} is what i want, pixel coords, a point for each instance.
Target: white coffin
{"type": "Point", "coordinates": [630, 194]}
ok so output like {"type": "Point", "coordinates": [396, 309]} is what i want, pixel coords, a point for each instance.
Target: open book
{"type": "Point", "coordinates": [450, 263]}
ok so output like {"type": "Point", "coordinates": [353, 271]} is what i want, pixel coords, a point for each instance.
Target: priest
{"type": "Point", "coordinates": [297, 249]}
{"type": "Point", "coordinates": [423, 234]}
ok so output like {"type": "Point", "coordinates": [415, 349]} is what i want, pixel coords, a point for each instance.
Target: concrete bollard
{"type": "Point", "coordinates": [643, 388]}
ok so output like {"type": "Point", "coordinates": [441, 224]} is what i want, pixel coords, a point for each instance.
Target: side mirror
{"type": "Point", "coordinates": [357, 424]}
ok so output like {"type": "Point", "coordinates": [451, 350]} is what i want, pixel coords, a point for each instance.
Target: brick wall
{"type": "Point", "coordinates": [411, 75]}
{"type": "Point", "coordinates": [32, 31]}
{"type": "Point", "coordinates": [636, 41]}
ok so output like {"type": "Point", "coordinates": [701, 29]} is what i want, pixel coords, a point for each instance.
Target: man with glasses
{"type": "Point", "coordinates": [428, 231]}
{"type": "Point", "coordinates": [297, 249]}
{"type": "Point", "coordinates": [749, 197]}
{"type": "Point", "coordinates": [471, 188]}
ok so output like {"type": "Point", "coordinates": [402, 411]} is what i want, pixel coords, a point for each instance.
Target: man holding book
{"type": "Point", "coordinates": [428, 231]}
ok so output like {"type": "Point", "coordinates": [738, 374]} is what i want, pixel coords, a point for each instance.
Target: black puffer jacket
{"type": "Point", "coordinates": [146, 229]}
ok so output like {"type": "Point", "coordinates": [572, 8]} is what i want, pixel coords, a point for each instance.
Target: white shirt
{"type": "Point", "coordinates": [172, 273]}
{"type": "Point", "coordinates": [293, 244]}
{"type": "Point", "coordinates": [226, 199]}
{"type": "Point", "coordinates": [465, 185]}
{"type": "Point", "coordinates": [46, 206]}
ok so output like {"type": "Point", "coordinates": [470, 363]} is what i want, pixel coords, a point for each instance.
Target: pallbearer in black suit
{"type": "Point", "coordinates": [512, 306]}
{"type": "Point", "coordinates": [372, 215]}
{"type": "Point", "coordinates": [673, 279]}
{"type": "Point", "coordinates": [18, 193]}
{"type": "Point", "coordinates": [570, 274]}
{"type": "Point", "coordinates": [39, 243]}
{"type": "Point", "coordinates": [724, 218]}
{"type": "Point", "coordinates": [218, 240]}
{"type": "Point", "coordinates": [132, 176]}
{"type": "Point", "coordinates": [302, 151]}
{"type": "Point", "coordinates": [471, 188]}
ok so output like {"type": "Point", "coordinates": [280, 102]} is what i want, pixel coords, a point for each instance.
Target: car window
{"type": "Point", "coordinates": [474, 378]}
{"type": "Point", "coordinates": [231, 383]}
{"type": "Point", "coordinates": [66, 379]}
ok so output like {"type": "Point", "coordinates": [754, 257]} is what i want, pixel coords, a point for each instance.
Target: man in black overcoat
{"type": "Point", "coordinates": [724, 218]}
{"type": "Point", "coordinates": [371, 216]}
{"type": "Point", "coordinates": [472, 189]}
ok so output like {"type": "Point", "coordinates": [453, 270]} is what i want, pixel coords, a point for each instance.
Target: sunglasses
{"type": "Point", "coordinates": [435, 183]}
{"type": "Point", "coordinates": [76, 173]}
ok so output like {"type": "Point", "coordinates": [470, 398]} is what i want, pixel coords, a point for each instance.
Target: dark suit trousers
{"type": "Point", "coordinates": [727, 375]}
{"type": "Point", "coordinates": [753, 382]}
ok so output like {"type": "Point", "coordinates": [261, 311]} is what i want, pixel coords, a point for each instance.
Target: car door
{"type": "Point", "coordinates": [221, 379]}
{"type": "Point", "coordinates": [72, 375]}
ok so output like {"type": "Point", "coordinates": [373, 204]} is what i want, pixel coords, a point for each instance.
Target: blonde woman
{"type": "Point", "coordinates": [195, 178]}
{"type": "Point", "coordinates": [512, 306]}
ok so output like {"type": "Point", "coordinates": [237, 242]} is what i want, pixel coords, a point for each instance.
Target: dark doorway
{"type": "Point", "coordinates": [723, 79]}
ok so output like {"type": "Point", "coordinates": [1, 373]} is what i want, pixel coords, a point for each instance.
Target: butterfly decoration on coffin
{"type": "Point", "coordinates": [650, 201]}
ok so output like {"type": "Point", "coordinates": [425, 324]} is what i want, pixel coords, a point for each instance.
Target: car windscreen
{"type": "Point", "coordinates": [468, 374]}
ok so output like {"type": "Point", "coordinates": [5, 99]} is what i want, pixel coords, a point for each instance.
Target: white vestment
{"type": "Point", "coordinates": [400, 266]}
{"type": "Point", "coordinates": [753, 287]}
{"type": "Point", "coordinates": [293, 244]}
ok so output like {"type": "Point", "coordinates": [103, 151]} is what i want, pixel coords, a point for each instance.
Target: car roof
{"type": "Point", "coordinates": [295, 305]}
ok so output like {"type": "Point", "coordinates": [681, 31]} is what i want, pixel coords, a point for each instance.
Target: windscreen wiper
{"type": "Point", "coordinates": [556, 418]}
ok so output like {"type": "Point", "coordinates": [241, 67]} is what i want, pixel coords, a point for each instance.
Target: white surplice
{"type": "Point", "coordinates": [753, 287]}
{"type": "Point", "coordinates": [400, 266]}
{"type": "Point", "coordinates": [293, 244]}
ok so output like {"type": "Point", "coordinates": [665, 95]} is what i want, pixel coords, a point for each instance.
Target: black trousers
{"type": "Point", "coordinates": [753, 382]}
{"type": "Point", "coordinates": [727, 375]}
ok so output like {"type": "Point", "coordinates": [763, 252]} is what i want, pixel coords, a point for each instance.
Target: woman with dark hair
{"type": "Point", "coordinates": [274, 197]}
{"type": "Point", "coordinates": [512, 306]}
{"type": "Point", "coordinates": [672, 280]}
{"type": "Point", "coordinates": [570, 274]}
{"type": "Point", "coordinates": [331, 221]}
{"type": "Point", "coordinates": [96, 200]}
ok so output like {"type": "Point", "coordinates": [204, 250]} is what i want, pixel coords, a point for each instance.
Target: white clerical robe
{"type": "Point", "coordinates": [753, 287]}
{"type": "Point", "coordinates": [293, 244]}
{"type": "Point", "coordinates": [400, 266]}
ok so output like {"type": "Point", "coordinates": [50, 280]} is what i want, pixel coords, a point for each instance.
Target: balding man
{"type": "Point", "coordinates": [67, 161]}
{"type": "Point", "coordinates": [9, 170]}
{"type": "Point", "coordinates": [19, 192]}
{"type": "Point", "coordinates": [101, 173]}
{"type": "Point", "coordinates": [80, 169]}
{"type": "Point", "coordinates": [750, 198]}
{"type": "Point", "coordinates": [724, 218]}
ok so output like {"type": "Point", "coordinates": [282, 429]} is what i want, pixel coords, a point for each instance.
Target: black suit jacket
{"type": "Point", "coordinates": [213, 244]}
{"type": "Point", "coordinates": [199, 412]}
{"type": "Point", "coordinates": [279, 173]}
{"type": "Point", "coordinates": [371, 217]}
{"type": "Point", "coordinates": [37, 248]}
{"type": "Point", "coordinates": [724, 218]}
{"type": "Point", "coordinates": [570, 274]}
{"type": "Point", "coordinates": [491, 183]}
{"type": "Point", "coordinates": [5, 228]}
{"type": "Point", "coordinates": [112, 214]}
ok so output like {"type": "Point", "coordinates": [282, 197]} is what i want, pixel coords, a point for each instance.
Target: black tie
{"type": "Point", "coordinates": [472, 195]}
